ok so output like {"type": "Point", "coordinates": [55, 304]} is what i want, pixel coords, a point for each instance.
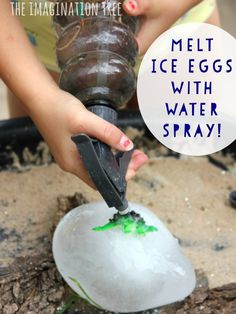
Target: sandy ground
{"type": "Point", "coordinates": [228, 18]}
{"type": "Point", "coordinates": [190, 196]}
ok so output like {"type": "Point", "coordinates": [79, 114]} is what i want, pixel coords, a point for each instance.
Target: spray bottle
{"type": "Point", "coordinates": [96, 51]}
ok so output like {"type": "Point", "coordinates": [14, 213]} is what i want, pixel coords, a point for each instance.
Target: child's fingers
{"type": "Point", "coordinates": [137, 161]}
{"type": "Point", "coordinates": [150, 27]}
{"type": "Point", "coordinates": [137, 7]}
{"type": "Point", "coordinates": [104, 131]}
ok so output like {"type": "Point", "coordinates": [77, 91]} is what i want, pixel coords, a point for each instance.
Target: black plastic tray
{"type": "Point", "coordinates": [16, 134]}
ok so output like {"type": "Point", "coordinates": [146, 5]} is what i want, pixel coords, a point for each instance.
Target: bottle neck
{"type": "Point", "coordinates": [104, 111]}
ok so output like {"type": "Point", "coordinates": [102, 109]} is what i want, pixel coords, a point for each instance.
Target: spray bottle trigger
{"type": "Point", "coordinates": [106, 170]}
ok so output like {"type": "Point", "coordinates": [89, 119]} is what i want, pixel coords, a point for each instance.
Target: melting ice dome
{"type": "Point", "coordinates": [116, 271]}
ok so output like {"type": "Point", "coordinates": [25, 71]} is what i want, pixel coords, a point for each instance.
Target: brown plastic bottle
{"type": "Point", "coordinates": [97, 52]}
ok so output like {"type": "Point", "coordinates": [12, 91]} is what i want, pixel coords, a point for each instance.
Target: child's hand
{"type": "Point", "coordinates": [158, 16]}
{"type": "Point", "coordinates": [64, 116]}
{"type": "Point", "coordinates": [57, 114]}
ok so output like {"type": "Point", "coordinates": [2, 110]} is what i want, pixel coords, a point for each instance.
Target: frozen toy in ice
{"type": "Point", "coordinates": [121, 263]}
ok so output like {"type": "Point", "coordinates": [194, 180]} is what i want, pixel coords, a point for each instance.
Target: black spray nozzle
{"type": "Point", "coordinates": [106, 169]}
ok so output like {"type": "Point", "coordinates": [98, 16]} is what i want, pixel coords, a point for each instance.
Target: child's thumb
{"type": "Point", "coordinates": [106, 132]}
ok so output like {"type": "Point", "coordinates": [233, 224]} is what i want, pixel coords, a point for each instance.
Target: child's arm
{"type": "Point", "coordinates": [158, 16]}
{"type": "Point", "coordinates": [56, 113]}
